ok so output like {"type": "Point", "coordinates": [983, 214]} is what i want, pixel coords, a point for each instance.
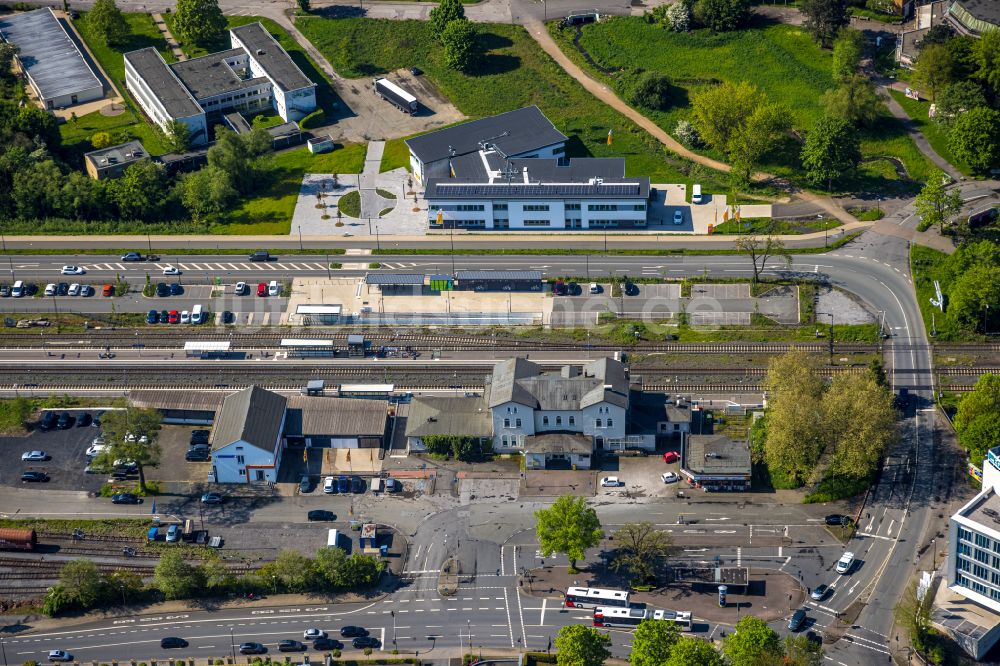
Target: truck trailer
{"type": "Point", "coordinates": [390, 92]}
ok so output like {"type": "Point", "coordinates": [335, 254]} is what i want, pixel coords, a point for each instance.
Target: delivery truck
{"type": "Point", "coordinates": [390, 92]}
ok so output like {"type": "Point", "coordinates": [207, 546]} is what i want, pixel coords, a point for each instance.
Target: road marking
{"type": "Point", "coordinates": [510, 628]}
{"type": "Point", "coordinates": [545, 601]}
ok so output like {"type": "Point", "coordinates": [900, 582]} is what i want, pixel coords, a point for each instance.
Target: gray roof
{"type": "Point", "coordinates": [448, 188]}
{"type": "Point", "coordinates": [123, 153]}
{"type": "Point", "coordinates": [210, 75]}
{"type": "Point", "coordinates": [266, 50]}
{"type": "Point", "coordinates": [322, 416]}
{"type": "Point", "coordinates": [558, 442]}
{"type": "Point", "coordinates": [391, 279]}
{"type": "Point", "coordinates": [523, 382]}
{"type": "Point", "coordinates": [435, 415]}
{"type": "Point", "coordinates": [984, 10]}
{"type": "Point", "coordinates": [716, 454]}
{"type": "Point", "coordinates": [513, 133]}
{"type": "Point", "coordinates": [253, 415]}
{"type": "Point", "coordinates": [160, 79]}
{"type": "Point", "coordinates": [530, 276]}
{"type": "Point", "coordinates": [48, 54]}
{"type": "Point", "coordinates": [678, 413]}
{"type": "Point", "coordinates": [196, 401]}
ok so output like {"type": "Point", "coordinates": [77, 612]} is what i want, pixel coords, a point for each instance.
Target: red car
{"type": "Point", "coordinates": [173, 317]}
{"type": "Point", "coordinates": [670, 457]}
{"type": "Point", "coordinates": [108, 290]}
{"type": "Point", "coordinates": [262, 289]}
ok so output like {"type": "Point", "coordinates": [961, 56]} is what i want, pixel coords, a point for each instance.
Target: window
{"type": "Point", "coordinates": [536, 223]}
{"type": "Point", "coordinates": [545, 420]}
{"type": "Point", "coordinates": [572, 420]}
{"type": "Point", "coordinates": [638, 206]}
{"type": "Point", "coordinates": [982, 541]}
{"type": "Point", "coordinates": [572, 206]}
{"type": "Point", "coordinates": [559, 422]}
{"type": "Point", "coordinates": [981, 556]}
{"type": "Point", "coordinates": [515, 410]}
{"type": "Point", "coordinates": [964, 534]}
{"type": "Point", "coordinates": [535, 207]}
{"type": "Point", "coordinates": [611, 424]}
{"type": "Point", "coordinates": [602, 206]}
{"type": "Point", "coordinates": [506, 423]}
{"type": "Point", "coordinates": [239, 460]}
{"type": "Point", "coordinates": [503, 440]}
{"type": "Point", "coordinates": [599, 423]}
{"type": "Point", "coordinates": [518, 424]}
{"type": "Point", "coordinates": [979, 571]}
{"type": "Point", "coordinates": [962, 564]}
{"type": "Point", "coordinates": [499, 206]}
{"type": "Point", "coordinates": [964, 549]}
{"type": "Point", "coordinates": [677, 426]}
{"type": "Point", "coordinates": [243, 472]}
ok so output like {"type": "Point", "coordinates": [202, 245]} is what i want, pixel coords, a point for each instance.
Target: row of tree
{"type": "Point", "coordinates": [976, 420]}
{"type": "Point", "coordinates": [849, 422]}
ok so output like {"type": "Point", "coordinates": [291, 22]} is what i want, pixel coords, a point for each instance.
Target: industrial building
{"type": "Point", "coordinates": [112, 161]}
{"type": "Point", "coordinates": [255, 74]}
{"type": "Point", "coordinates": [56, 70]}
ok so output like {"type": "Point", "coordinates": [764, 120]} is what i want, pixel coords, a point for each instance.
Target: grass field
{"type": "Point", "coordinates": [514, 73]}
{"type": "Point", "coordinates": [781, 60]}
{"type": "Point", "coordinates": [395, 156]}
{"type": "Point", "coordinates": [926, 265]}
{"type": "Point", "coordinates": [936, 135]}
{"type": "Point", "coordinates": [76, 134]}
{"type": "Point", "coordinates": [143, 34]}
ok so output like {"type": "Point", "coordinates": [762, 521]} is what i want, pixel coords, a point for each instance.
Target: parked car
{"type": "Point", "coordinates": [595, 288]}
{"type": "Point", "coordinates": [72, 270]}
{"type": "Point", "coordinates": [678, 216]}
{"type": "Point", "coordinates": [252, 648]}
{"type": "Point", "coordinates": [126, 498]}
{"type": "Point", "coordinates": [670, 477]}
{"type": "Point", "coordinates": [305, 484]}
{"type": "Point", "coordinates": [50, 289]}
{"type": "Point", "coordinates": [241, 289]}
{"type": "Point", "coordinates": [34, 456]}
{"type": "Point", "coordinates": [65, 421]}
{"type": "Point", "coordinates": [358, 485]}
{"type": "Point", "coordinates": [289, 645]}
{"type": "Point", "coordinates": [836, 519]}
{"type": "Point", "coordinates": [96, 449]}
{"type": "Point", "coordinates": [83, 420]}
{"type": "Point", "coordinates": [313, 634]}
{"type": "Point", "coordinates": [329, 485]}
{"type": "Point", "coordinates": [200, 436]}
{"type": "Point", "coordinates": [559, 288]}
{"type": "Point", "coordinates": [86, 290]}
{"type": "Point", "coordinates": [212, 498]}
{"type": "Point", "coordinates": [34, 477]}
{"type": "Point", "coordinates": [321, 515]}
{"type": "Point", "coordinates": [670, 457]}
{"type": "Point", "coordinates": [162, 290]}
{"type": "Point", "coordinates": [173, 317]}
{"type": "Point", "coordinates": [173, 533]}
{"type": "Point", "coordinates": [152, 317]}
{"type": "Point", "coordinates": [819, 592]}
{"type": "Point", "coordinates": [176, 289]}
{"type": "Point", "coordinates": [62, 289]}
{"type": "Point", "coordinates": [173, 642]}
{"type": "Point", "coordinates": [611, 482]}
{"type": "Point", "coordinates": [60, 655]}
{"type": "Point", "coordinates": [845, 563]}
{"type": "Point", "coordinates": [48, 421]}
{"type": "Point", "coordinates": [261, 289]}
{"type": "Point", "coordinates": [171, 270]}
{"type": "Point", "coordinates": [352, 631]}
{"type": "Point", "coordinates": [797, 620]}
{"type": "Point", "coordinates": [74, 289]}
{"type": "Point", "coordinates": [273, 288]}
{"type": "Point", "coordinates": [4, 290]}
{"type": "Point", "coordinates": [362, 642]}
{"type": "Point", "coordinates": [185, 317]}
{"type": "Point", "coordinates": [343, 484]}
{"type": "Point", "coordinates": [327, 644]}
{"type": "Point", "coordinates": [198, 455]}
{"type": "Point", "coordinates": [164, 316]}
{"type": "Point", "coordinates": [108, 290]}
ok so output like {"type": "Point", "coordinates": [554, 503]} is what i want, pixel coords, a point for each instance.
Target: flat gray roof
{"type": "Point", "coordinates": [397, 279]}
{"type": "Point", "coordinates": [446, 415]}
{"type": "Point", "coordinates": [210, 75]}
{"type": "Point", "coordinates": [266, 50]}
{"type": "Point", "coordinates": [323, 415]}
{"type": "Point", "coordinates": [530, 276]}
{"type": "Point", "coordinates": [48, 54]}
{"type": "Point", "coordinates": [123, 153]}
{"type": "Point", "coordinates": [160, 79]}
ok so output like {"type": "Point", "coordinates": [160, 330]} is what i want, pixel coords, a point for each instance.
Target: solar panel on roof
{"type": "Point", "coordinates": [540, 189]}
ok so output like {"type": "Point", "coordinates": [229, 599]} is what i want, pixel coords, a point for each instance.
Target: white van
{"type": "Point", "coordinates": [196, 314]}
{"type": "Point", "coordinates": [17, 291]}
{"type": "Point", "coordinates": [696, 194]}
{"type": "Point", "coordinates": [333, 539]}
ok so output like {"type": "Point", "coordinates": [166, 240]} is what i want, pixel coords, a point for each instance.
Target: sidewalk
{"type": "Point", "coordinates": [175, 47]}
{"type": "Point", "coordinates": [918, 138]}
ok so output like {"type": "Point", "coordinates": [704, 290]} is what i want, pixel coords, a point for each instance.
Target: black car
{"type": "Point", "coordinates": [291, 646]}
{"type": "Point", "coordinates": [164, 316]}
{"type": "Point", "coordinates": [97, 419]}
{"type": "Point", "coordinates": [197, 455]}
{"type": "Point", "coordinates": [416, 71]}
{"type": "Point", "coordinates": [351, 631]}
{"type": "Point", "coordinates": [65, 421]}
{"type": "Point", "coordinates": [173, 642]}
{"type": "Point", "coordinates": [62, 289]}
{"type": "Point", "coordinates": [175, 289]}
{"type": "Point", "coordinates": [83, 420]}
{"type": "Point", "coordinates": [252, 648]}
{"type": "Point", "coordinates": [162, 289]}
{"type": "Point", "coordinates": [327, 644]}
{"type": "Point", "coordinates": [631, 289]}
{"type": "Point", "coordinates": [358, 485]}
{"type": "Point", "coordinates": [228, 317]}
{"type": "Point", "coordinates": [836, 519]}
{"type": "Point", "coordinates": [48, 421]}
{"type": "Point", "coordinates": [126, 498]}
{"type": "Point", "coordinates": [362, 642]}
{"type": "Point", "coordinates": [343, 485]}
{"type": "Point", "coordinates": [797, 620]}
{"type": "Point", "coordinates": [199, 437]}
{"type": "Point", "coordinates": [322, 514]}
{"type": "Point", "coordinates": [34, 477]}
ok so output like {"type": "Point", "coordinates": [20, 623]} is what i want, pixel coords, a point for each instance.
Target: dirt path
{"type": "Point", "coordinates": [918, 137]}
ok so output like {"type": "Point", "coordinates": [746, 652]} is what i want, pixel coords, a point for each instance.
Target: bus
{"type": "Point", "coordinates": [630, 618]}
{"type": "Point", "coordinates": [583, 597]}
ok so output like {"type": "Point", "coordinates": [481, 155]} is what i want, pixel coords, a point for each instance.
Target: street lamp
{"type": "Point", "coordinates": [934, 554]}
{"type": "Point", "coordinates": [393, 613]}
{"type": "Point", "coordinates": [232, 643]}
{"type": "Point", "coordinates": [4, 650]}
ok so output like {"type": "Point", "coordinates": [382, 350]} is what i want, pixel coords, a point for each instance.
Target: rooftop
{"type": "Point", "coordinates": [394, 279]}
{"type": "Point", "coordinates": [123, 153]}
{"type": "Point", "coordinates": [253, 415]}
{"type": "Point", "coordinates": [972, 624]}
{"type": "Point", "coordinates": [160, 79]}
{"type": "Point", "coordinates": [48, 54]}
{"type": "Point", "coordinates": [200, 401]}
{"type": "Point", "coordinates": [437, 415]}
{"type": "Point", "coordinates": [987, 11]}
{"type": "Point", "coordinates": [983, 510]}
{"type": "Point", "coordinates": [571, 389]}
{"type": "Point", "coordinates": [266, 50]}
{"type": "Point", "coordinates": [559, 442]}
{"type": "Point", "coordinates": [212, 75]}
{"type": "Point", "coordinates": [716, 455]}
{"type": "Point", "coordinates": [530, 276]}
{"type": "Point", "coordinates": [512, 133]}
{"type": "Point", "coordinates": [322, 415]}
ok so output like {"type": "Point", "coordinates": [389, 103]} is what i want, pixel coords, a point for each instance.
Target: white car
{"type": "Point", "coordinates": [313, 634]}
{"type": "Point", "coordinates": [611, 482]}
{"type": "Point", "coordinates": [50, 289]}
{"type": "Point", "coordinates": [678, 217]}
{"type": "Point", "coordinates": [185, 317]}
{"type": "Point", "coordinates": [241, 288]}
{"type": "Point", "coordinates": [329, 485]}
{"type": "Point", "coordinates": [72, 270]}
{"type": "Point", "coordinates": [670, 477]}
{"type": "Point", "coordinates": [60, 655]}
{"type": "Point", "coordinates": [74, 289]}
{"type": "Point", "coordinates": [33, 456]}
{"type": "Point", "coordinates": [273, 289]}
{"type": "Point", "coordinates": [170, 270]}
{"type": "Point", "coordinates": [845, 563]}
{"type": "Point", "coordinates": [96, 449]}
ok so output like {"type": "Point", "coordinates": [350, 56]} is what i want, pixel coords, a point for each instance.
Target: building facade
{"type": "Point", "coordinates": [247, 437]}
{"type": "Point", "coordinates": [112, 161]}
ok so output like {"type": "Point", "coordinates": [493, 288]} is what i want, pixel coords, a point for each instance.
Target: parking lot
{"type": "Point", "coordinates": [642, 475]}
{"type": "Point", "coordinates": [67, 449]}
{"type": "Point", "coordinates": [174, 441]}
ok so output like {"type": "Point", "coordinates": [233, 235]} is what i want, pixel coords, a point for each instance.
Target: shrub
{"type": "Point", "coordinates": [315, 119]}
{"type": "Point", "coordinates": [687, 134]}
{"type": "Point", "coordinates": [100, 140]}
{"type": "Point", "coordinates": [652, 91]}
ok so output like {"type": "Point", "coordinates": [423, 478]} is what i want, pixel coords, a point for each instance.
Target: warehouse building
{"type": "Point", "coordinates": [336, 423]}
{"type": "Point", "coordinates": [56, 70]}
{"type": "Point", "coordinates": [255, 74]}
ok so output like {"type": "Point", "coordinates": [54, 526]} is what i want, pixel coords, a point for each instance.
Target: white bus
{"type": "Point", "coordinates": [584, 597]}
{"type": "Point", "coordinates": [631, 617]}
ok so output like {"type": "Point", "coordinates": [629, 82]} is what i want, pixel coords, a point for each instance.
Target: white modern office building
{"type": "Point", "coordinates": [256, 73]}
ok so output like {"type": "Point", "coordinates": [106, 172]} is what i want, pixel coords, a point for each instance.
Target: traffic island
{"type": "Point", "coordinates": [448, 578]}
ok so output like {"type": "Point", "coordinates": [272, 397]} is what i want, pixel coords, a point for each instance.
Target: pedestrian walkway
{"type": "Point", "coordinates": [373, 158]}
{"type": "Point", "coordinates": [918, 138]}
{"type": "Point", "coordinates": [175, 47]}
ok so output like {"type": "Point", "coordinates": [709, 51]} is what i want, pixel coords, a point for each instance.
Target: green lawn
{"type": "Point", "coordinates": [780, 59]}
{"type": "Point", "coordinates": [76, 134]}
{"type": "Point", "coordinates": [514, 73]}
{"type": "Point", "coordinates": [270, 212]}
{"type": "Point", "coordinates": [762, 225]}
{"type": "Point", "coordinates": [936, 134]}
{"type": "Point", "coordinates": [143, 34]}
{"type": "Point", "coordinates": [926, 266]}
{"type": "Point", "coordinates": [395, 156]}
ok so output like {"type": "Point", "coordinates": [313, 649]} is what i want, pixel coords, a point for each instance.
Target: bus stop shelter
{"type": "Point", "coordinates": [206, 348]}
{"type": "Point", "coordinates": [396, 284]}
{"type": "Point", "coordinates": [301, 348]}
{"type": "Point", "coordinates": [318, 315]}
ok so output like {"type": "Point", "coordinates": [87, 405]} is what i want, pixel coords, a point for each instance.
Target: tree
{"type": "Point", "coordinates": [934, 69]}
{"type": "Point", "coordinates": [972, 295]}
{"type": "Point", "coordinates": [241, 157]}
{"type": "Point", "coordinates": [141, 190]}
{"type": "Point", "coordinates": [824, 18]}
{"type": "Point", "coordinates": [177, 136]}
{"type": "Point", "coordinates": [83, 582]}
{"type": "Point", "coordinates": [652, 642]}
{"type": "Point", "coordinates": [331, 565]}
{"type": "Point", "coordinates": [107, 21]}
{"type": "Point", "coordinates": [975, 138]}
{"type": "Point", "coordinates": [982, 400]}
{"type": "Point", "coordinates": [847, 51]}
{"type": "Point", "coordinates": [860, 421]}
{"type": "Point", "coordinates": [795, 432]}
{"type": "Point", "coordinates": [832, 149]}
{"type": "Point", "coordinates": [678, 17]}
{"type": "Point", "coordinates": [685, 131]}
{"type": "Point", "coordinates": [200, 21]}
{"type": "Point", "coordinates": [722, 15]}
{"type": "Point", "coordinates": [363, 571]}
{"type": "Point", "coordinates": [652, 91]}
{"type": "Point", "coordinates": [986, 57]}
{"type": "Point", "coordinates": [800, 651]}
{"type": "Point", "coordinates": [446, 12]}
{"type": "Point", "coordinates": [691, 651]}
{"type": "Point", "coordinates": [294, 571]}
{"type": "Point", "coordinates": [459, 42]}
{"type": "Point", "coordinates": [577, 645]}
{"type": "Point", "coordinates": [100, 140]}
{"type": "Point", "coordinates": [7, 52]}
{"type": "Point", "coordinates": [957, 98]}
{"type": "Point", "coordinates": [752, 643]}
{"type": "Point", "coordinates": [641, 547]}
{"type": "Point", "coordinates": [569, 527]}
{"type": "Point", "coordinates": [913, 613]}
{"type": "Point", "coordinates": [854, 100]}
{"type": "Point", "coordinates": [124, 429]}
{"type": "Point", "coordinates": [205, 194]}
{"type": "Point", "coordinates": [762, 245]}
{"type": "Point", "coordinates": [174, 577]}
{"type": "Point", "coordinates": [940, 33]}
{"type": "Point", "coordinates": [935, 204]}
{"type": "Point", "coordinates": [762, 129]}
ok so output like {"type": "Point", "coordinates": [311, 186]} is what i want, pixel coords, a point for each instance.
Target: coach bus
{"type": "Point", "coordinates": [630, 618]}
{"type": "Point", "coordinates": [584, 597]}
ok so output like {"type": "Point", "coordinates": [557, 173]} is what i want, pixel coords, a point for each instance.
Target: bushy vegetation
{"type": "Point", "coordinates": [970, 282]}
{"type": "Point", "coordinates": [466, 449]}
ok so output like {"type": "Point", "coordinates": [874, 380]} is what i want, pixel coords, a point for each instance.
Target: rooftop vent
{"type": "Point", "coordinates": [260, 51]}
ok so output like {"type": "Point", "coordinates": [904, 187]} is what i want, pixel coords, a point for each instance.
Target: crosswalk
{"type": "Point", "coordinates": [221, 267]}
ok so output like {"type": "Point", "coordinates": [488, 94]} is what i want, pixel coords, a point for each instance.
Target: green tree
{"type": "Point", "coordinates": [722, 15]}
{"type": "Point", "coordinates": [569, 527]}
{"type": "Point", "coordinates": [83, 582]}
{"type": "Point", "coordinates": [761, 131]}
{"type": "Point", "coordinates": [446, 12]}
{"type": "Point", "coordinates": [957, 98]}
{"type": "Point", "coordinates": [972, 295]}
{"type": "Point", "coordinates": [100, 140]}
{"type": "Point", "coordinates": [363, 571]}
{"type": "Point", "coordinates": [304, 6]}
{"type": "Point", "coordinates": [975, 138]}
{"type": "Point", "coordinates": [331, 566]}
{"type": "Point", "coordinates": [640, 549]}
{"type": "Point", "coordinates": [459, 42]}
{"type": "Point", "coordinates": [800, 651]}
{"type": "Point", "coordinates": [652, 91]}
{"type": "Point", "coordinates": [934, 69]}
{"type": "Point", "coordinates": [140, 192]}
{"type": "Point", "coordinates": [935, 204]}
{"type": "Point", "coordinates": [205, 194]}
{"type": "Point", "coordinates": [795, 432]}
{"type": "Point", "coordinates": [577, 645]}
{"type": "Point", "coordinates": [57, 601]}
{"type": "Point", "coordinates": [200, 21]}
{"type": "Point", "coordinates": [824, 18]}
{"type": "Point", "coordinates": [35, 191]}
{"type": "Point", "coordinates": [294, 571]}
{"type": "Point", "coordinates": [854, 100]}
{"type": "Point", "coordinates": [752, 643]}
{"type": "Point", "coordinates": [986, 57]}
{"type": "Point", "coordinates": [982, 400]}
{"type": "Point", "coordinates": [177, 136]}
{"type": "Point", "coordinates": [107, 21]}
{"type": "Point", "coordinates": [7, 53]}
{"type": "Point", "coordinates": [914, 614]}
{"type": "Point", "coordinates": [847, 51]}
{"type": "Point", "coordinates": [691, 651]}
{"type": "Point", "coordinates": [242, 157]}
{"type": "Point", "coordinates": [652, 642]}
{"type": "Point", "coordinates": [832, 149]}
{"type": "Point", "coordinates": [175, 578]}
{"type": "Point", "coordinates": [124, 429]}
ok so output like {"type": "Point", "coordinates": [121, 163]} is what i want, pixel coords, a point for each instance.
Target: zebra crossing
{"type": "Point", "coordinates": [222, 267]}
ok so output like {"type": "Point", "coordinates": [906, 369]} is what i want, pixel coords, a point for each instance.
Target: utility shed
{"type": "Point", "coordinates": [112, 161]}
{"type": "Point", "coordinates": [56, 70]}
